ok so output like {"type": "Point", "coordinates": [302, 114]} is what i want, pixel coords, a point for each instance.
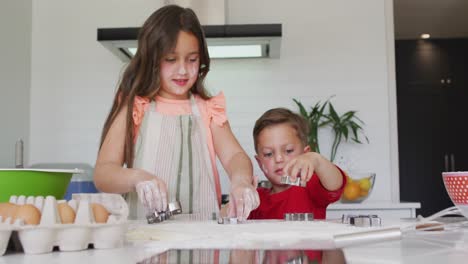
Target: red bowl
{"type": "Point", "coordinates": [456, 184]}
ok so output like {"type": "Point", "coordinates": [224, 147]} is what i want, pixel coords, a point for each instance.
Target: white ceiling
{"type": "Point", "coordinates": [440, 18]}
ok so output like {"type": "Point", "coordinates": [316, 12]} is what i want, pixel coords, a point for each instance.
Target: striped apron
{"type": "Point", "coordinates": [174, 148]}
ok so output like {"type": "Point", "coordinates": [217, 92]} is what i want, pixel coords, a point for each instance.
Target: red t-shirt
{"type": "Point", "coordinates": [313, 198]}
{"type": "Point", "coordinates": [292, 256]}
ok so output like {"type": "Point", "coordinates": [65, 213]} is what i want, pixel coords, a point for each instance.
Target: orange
{"type": "Point", "coordinates": [365, 184]}
{"type": "Point", "coordinates": [364, 193]}
{"type": "Point", "coordinates": [352, 191]}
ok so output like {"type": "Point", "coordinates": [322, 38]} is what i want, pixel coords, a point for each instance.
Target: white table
{"type": "Point", "coordinates": [428, 247]}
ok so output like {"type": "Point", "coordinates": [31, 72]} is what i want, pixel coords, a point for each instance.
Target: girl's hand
{"type": "Point", "coordinates": [152, 194]}
{"type": "Point", "coordinates": [242, 200]}
{"type": "Point", "coordinates": [303, 166]}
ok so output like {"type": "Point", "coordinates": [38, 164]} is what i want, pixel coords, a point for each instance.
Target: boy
{"type": "Point", "coordinates": [280, 138]}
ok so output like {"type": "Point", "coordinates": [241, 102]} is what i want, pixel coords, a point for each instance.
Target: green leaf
{"type": "Point", "coordinates": [326, 123]}
{"type": "Point", "coordinates": [301, 109]}
{"type": "Point", "coordinates": [323, 107]}
{"type": "Point", "coordinates": [333, 115]}
{"type": "Point", "coordinates": [345, 132]}
{"type": "Point", "coordinates": [348, 115]}
{"type": "Point", "coordinates": [354, 129]}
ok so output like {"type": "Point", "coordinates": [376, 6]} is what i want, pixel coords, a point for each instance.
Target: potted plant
{"type": "Point", "coordinates": [316, 119]}
{"type": "Point", "coordinates": [346, 126]}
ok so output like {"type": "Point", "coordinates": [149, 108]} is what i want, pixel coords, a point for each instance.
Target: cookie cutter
{"type": "Point", "coordinates": [264, 184]}
{"type": "Point", "coordinates": [299, 217]}
{"type": "Point", "coordinates": [173, 208]}
{"type": "Point", "coordinates": [227, 220]}
{"type": "Point", "coordinates": [287, 180]}
{"type": "Point", "coordinates": [362, 220]}
{"type": "Point", "coordinates": [298, 260]}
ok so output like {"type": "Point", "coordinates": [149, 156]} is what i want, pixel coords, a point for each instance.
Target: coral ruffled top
{"type": "Point", "coordinates": [211, 110]}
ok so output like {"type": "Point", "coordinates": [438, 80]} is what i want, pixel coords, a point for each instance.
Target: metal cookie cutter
{"type": "Point", "coordinates": [227, 220]}
{"type": "Point", "coordinates": [362, 220]}
{"type": "Point", "coordinates": [299, 217]}
{"type": "Point", "coordinates": [173, 208]}
{"type": "Point", "coordinates": [298, 260]}
{"type": "Point", "coordinates": [287, 180]}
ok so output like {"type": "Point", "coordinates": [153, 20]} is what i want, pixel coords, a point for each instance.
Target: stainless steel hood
{"type": "Point", "coordinates": [265, 39]}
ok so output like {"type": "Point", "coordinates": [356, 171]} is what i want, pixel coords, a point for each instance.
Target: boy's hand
{"type": "Point", "coordinates": [242, 200]}
{"type": "Point", "coordinates": [302, 166]}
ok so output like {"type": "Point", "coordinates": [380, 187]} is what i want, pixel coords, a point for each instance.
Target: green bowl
{"type": "Point", "coordinates": [34, 182]}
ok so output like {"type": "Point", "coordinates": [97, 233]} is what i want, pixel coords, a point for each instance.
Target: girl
{"type": "Point", "coordinates": [167, 130]}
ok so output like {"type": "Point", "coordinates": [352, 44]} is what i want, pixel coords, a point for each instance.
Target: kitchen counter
{"type": "Point", "coordinates": [382, 209]}
{"type": "Point", "coordinates": [449, 246]}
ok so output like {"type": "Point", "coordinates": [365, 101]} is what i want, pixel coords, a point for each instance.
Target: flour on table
{"type": "Point", "coordinates": [258, 234]}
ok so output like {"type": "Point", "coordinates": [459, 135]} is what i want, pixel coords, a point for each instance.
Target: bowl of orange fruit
{"type": "Point", "coordinates": [358, 186]}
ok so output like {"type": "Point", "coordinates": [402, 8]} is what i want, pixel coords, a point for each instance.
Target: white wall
{"type": "Point", "coordinates": [74, 76]}
{"type": "Point", "coordinates": [15, 77]}
{"type": "Point", "coordinates": [328, 48]}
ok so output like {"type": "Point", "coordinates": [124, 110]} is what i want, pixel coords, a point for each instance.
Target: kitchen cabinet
{"type": "Point", "coordinates": [431, 98]}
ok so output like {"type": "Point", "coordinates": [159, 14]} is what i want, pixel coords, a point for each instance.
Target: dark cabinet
{"type": "Point", "coordinates": [432, 103]}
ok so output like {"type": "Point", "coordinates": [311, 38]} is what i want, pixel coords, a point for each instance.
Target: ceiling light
{"type": "Point", "coordinates": [229, 51]}
{"type": "Point", "coordinates": [223, 41]}
{"type": "Point", "coordinates": [425, 36]}
{"type": "Point", "coordinates": [132, 51]}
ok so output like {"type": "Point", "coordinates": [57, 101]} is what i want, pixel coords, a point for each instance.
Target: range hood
{"type": "Point", "coordinates": [224, 40]}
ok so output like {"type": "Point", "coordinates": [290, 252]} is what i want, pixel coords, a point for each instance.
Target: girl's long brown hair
{"type": "Point", "coordinates": [157, 37]}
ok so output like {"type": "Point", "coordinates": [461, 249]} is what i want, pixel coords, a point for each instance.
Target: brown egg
{"type": "Point", "coordinates": [66, 213]}
{"type": "Point", "coordinates": [100, 213]}
{"type": "Point", "coordinates": [29, 213]}
{"type": "Point", "coordinates": [8, 210]}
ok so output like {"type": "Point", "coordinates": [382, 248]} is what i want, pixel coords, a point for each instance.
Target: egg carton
{"type": "Point", "coordinates": [50, 232]}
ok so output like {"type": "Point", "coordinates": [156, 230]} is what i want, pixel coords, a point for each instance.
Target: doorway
{"type": "Point", "coordinates": [432, 90]}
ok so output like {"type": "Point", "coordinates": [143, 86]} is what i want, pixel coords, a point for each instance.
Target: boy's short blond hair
{"type": "Point", "coordinates": [278, 116]}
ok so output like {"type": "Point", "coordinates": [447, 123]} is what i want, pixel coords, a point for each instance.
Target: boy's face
{"type": "Point", "coordinates": [179, 68]}
{"type": "Point", "coordinates": [276, 146]}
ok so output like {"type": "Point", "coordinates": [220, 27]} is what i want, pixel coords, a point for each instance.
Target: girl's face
{"type": "Point", "coordinates": [276, 146]}
{"type": "Point", "coordinates": [179, 68]}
